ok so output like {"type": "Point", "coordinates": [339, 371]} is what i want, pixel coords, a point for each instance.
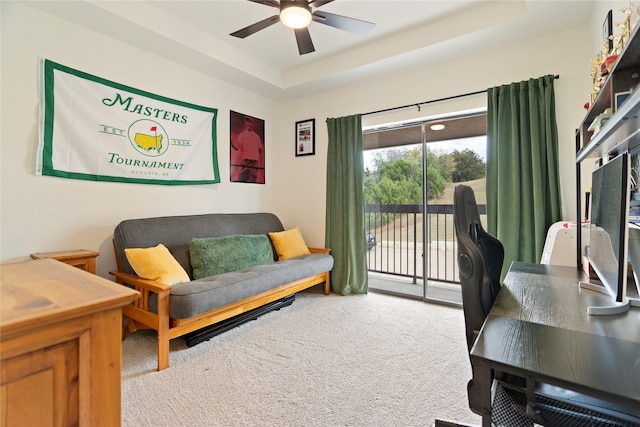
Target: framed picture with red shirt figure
{"type": "Point", "coordinates": [246, 163]}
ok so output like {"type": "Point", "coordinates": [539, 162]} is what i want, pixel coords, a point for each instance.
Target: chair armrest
{"type": "Point", "coordinates": [131, 279]}
{"type": "Point", "coordinates": [319, 250]}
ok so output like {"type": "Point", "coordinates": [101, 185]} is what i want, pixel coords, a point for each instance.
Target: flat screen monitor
{"type": "Point", "coordinates": [608, 237]}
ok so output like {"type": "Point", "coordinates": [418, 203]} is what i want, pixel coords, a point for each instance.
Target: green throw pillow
{"type": "Point", "coordinates": [217, 255]}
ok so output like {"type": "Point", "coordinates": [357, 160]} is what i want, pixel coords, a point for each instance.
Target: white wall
{"type": "Point", "coordinates": [46, 213]}
{"type": "Point", "coordinates": [41, 213]}
{"type": "Point", "coordinates": [565, 53]}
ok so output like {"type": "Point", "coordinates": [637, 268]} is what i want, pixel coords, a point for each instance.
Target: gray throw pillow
{"type": "Point", "coordinates": [217, 255]}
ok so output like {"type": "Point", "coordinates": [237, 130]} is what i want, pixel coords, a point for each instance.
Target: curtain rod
{"type": "Point", "coordinates": [418, 104]}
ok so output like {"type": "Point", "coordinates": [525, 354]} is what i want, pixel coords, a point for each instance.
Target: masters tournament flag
{"type": "Point", "coordinates": [95, 129]}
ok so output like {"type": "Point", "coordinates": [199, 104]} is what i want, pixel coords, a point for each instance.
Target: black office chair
{"type": "Point", "coordinates": [480, 259]}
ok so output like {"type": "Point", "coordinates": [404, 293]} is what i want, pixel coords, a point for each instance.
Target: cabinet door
{"type": "Point", "coordinates": [41, 388]}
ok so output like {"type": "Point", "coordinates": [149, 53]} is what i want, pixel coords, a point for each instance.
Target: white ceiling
{"type": "Point", "coordinates": [407, 34]}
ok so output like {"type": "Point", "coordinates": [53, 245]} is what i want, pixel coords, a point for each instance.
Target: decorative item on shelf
{"type": "Point", "coordinates": [599, 121]}
{"type": "Point", "coordinates": [612, 45]}
{"type": "Point", "coordinates": [626, 28]}
{"type": "Point", "coordinates": [595, 76]}
{"type": "Point", "coordinates": [610, 62]}
{"type": "Point", "coordinates": [606, 67]}
{"type": "Point", "coordinates": [617, 43]}
{"type": "Point", "coordinates": [607, 33]}
{"type": "Point", "coordinates": [621, 39]}
{"type": "Point", "coordinates": [605, 51]}
{"type": "Point", "coordinates": [620, 98]}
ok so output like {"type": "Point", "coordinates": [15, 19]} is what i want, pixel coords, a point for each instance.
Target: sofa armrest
{"type": "Point", "coordinates": [130, 279]}
{"type": "Point", "coordinates": [139, 312]}
{"type": "Point", "coordinates": [319, 250]}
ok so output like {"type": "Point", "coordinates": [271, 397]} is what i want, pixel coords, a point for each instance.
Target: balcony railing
{"type": "Point", "coordinates": [399, 249]}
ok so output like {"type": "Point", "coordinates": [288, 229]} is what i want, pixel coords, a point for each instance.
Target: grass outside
{"type": "Point", "coordinates": [440, 227]}
{"type": "Point", "coordinates": [478, 186]}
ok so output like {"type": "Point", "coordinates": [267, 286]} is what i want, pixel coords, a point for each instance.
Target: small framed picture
{"type": "Point", "coordinates": [306, 137]}
{"type": "Point", "coordinates": [620, 98]}
{"type": "Point", "coordinates": [607, 32]}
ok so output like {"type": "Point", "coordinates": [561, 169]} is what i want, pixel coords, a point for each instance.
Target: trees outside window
{"type": "Point", "coordinates": [394, 176]}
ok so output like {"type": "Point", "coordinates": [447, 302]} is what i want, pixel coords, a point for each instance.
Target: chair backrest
{"type": "Point", "coordinates": [480, 258]}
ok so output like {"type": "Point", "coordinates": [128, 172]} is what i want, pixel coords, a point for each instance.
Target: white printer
{"type": "Point", "coordinates": [561, 243]}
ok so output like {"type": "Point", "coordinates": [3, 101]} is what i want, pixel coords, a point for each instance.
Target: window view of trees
{"type": "Point", "coordinates": [395, 174]}
{"type": "Point", "coordinates": [407, 236]}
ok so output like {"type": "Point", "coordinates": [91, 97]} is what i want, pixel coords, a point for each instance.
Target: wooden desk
{"type": "Point", "coordinates": [539, 328]}
{"type": "Point", "coordinates": [60, 353]}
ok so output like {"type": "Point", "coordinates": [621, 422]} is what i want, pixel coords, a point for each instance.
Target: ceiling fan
{"type": "Point", "coordinates": [298, 14]}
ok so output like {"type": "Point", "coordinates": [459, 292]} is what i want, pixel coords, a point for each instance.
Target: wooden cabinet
{"type": "Point", "coordinates": [60, 353]}
{"type": "Point", "coordinates": [81, 258]}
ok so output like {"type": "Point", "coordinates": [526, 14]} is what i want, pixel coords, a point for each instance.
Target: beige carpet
{"type": "Point", "coordinates": [366, 360]}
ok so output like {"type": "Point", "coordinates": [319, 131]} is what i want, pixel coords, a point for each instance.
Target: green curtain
{"type": "Point", "coordinates": [523, 188]}
{"type": "Point", "coordinates": [345, 231]}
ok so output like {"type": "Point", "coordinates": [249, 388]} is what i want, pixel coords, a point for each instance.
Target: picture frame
{"type": "Point", "coordinates": [620, 97]}
{"type": "Point", "coordinates": [247, 148]}
{"type": "Point", "coordinates": [607, 32]}
{"type": "Point", "coordinates": [305, 138]}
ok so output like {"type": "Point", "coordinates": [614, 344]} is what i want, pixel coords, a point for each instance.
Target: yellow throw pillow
{"type": "Point", "coordinates": [289, 243]}
{"type": "Point", "coordinates": [156, 263]}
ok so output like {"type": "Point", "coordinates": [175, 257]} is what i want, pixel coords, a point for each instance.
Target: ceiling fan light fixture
{"type": "Point", "coordinates": [295, 15]}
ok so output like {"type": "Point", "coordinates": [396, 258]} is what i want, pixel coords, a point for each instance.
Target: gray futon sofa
{"type": "Point", "coordinates": [182, 308]}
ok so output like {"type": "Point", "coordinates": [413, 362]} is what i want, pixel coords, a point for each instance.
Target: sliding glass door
{"type": "Point", "coordinates": [394, 209]}
{"type": "Point", "coordinates": [409, 179]}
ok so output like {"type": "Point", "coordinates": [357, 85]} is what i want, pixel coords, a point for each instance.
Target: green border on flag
{"type": "Point", "coordinates": [47, 119]}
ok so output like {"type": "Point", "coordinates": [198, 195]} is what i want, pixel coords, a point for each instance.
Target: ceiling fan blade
{"type": "Point", "coordinates": [272, 3]}
{"type": "Point", "coordinates": [305, 45]}
{"type": "Point", "coordinates": [351, 25]}
{"type": "Point", "coordinates": [318, 3]}
{"type": "Point", "coordinates": [254, 28]}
